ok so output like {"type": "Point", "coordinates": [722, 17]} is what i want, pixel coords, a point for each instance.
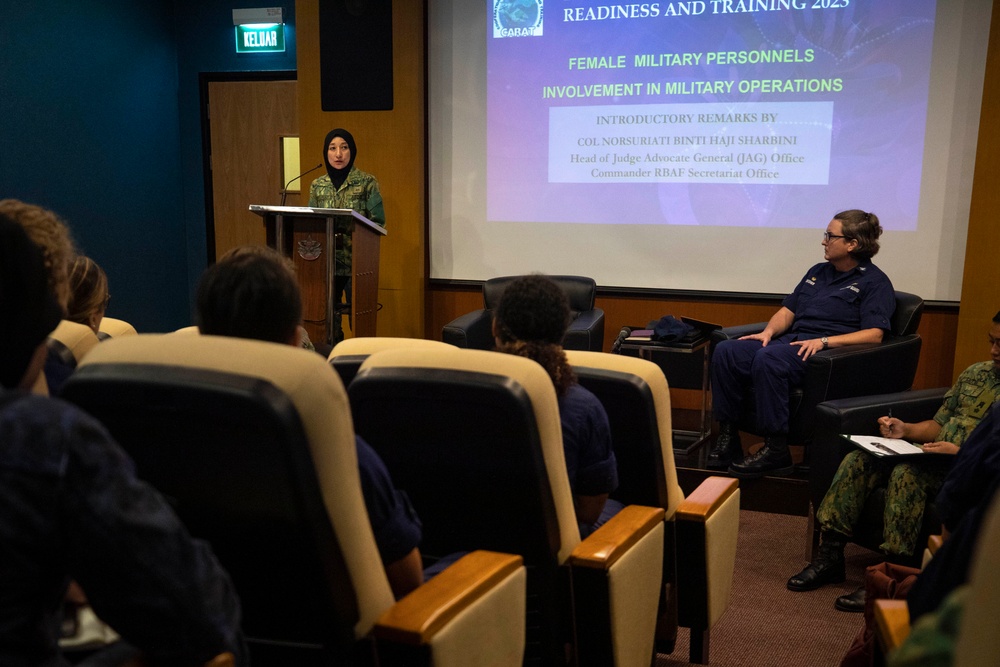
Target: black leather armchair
{"type": "Point", "coordinates": [855, 370]}
{"type": "Point", "coordinates": [858, 416]}
{"type": "Point", "coordinates": [586, 330]}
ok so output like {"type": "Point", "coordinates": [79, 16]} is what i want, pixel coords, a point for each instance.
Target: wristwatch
{"type": "Point", "coordinates": [825, 341]}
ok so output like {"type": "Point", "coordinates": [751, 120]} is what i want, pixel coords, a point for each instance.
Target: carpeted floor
{"type": "Point", "coordinates": [767, 624]}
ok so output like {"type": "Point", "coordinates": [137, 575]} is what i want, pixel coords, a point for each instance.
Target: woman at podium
{"type": "Point", "coordinates": [345, 186]}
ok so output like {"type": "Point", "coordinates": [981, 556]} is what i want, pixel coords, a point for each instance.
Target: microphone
{"type": "Point", "coordinates": [622, 335]}
{"type": "Point", "coordinates": [284, 190]}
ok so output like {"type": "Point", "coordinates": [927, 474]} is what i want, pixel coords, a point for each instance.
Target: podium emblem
{"type": "Point", "coordinates": [310, 249]}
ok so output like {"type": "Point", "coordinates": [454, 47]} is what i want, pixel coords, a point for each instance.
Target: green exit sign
{"type": "Point", "coordinates": [260, 38]}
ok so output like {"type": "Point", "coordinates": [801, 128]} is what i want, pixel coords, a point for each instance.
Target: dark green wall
{"type": "Point", "coordinates": [99, 121]}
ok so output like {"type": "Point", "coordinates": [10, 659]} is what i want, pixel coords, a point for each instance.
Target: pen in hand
{"type": "Point", "coordinates": [890, 422]}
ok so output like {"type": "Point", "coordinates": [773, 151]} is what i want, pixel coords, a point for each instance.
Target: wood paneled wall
{"type": "Point", "coordinates": [981, 277]}
{"type": "Point", "coordinates": [390, 146]}
{"type": "Point", "coordinates": [937, 326]}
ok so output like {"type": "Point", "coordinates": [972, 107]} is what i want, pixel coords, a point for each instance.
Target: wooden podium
{"type": "Point", "coordinates": [311, 234]}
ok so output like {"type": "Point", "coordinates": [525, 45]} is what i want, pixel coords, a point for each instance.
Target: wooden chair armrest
{"type": "Point", "coordinates": [609, 542]}
{"type": "Point", "coordinates": [934, 543]}
{"type": "Point", "coordinates": [226, 659]}
{"type": "Point", "coordinates": [706, 499]}
{"type": "Point", "coordinates": [893, 620]}
{"type": "Point", "coordinates": [418, 616]}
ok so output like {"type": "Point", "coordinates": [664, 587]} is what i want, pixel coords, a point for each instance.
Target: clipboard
{"type": "Point", "coordinates": [893, 448]}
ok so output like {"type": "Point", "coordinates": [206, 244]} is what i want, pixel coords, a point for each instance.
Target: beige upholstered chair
{"type": "Point", "coordinates": [474, 439]}
{"type": "Point", "coordinates": [114, 328]}
{"type": "Point", "coordinates": [347, 356]}
{"type": "Point", "coordinates": [72, 342]}
{"type": "Point", "coordinates": [254, 444]}
{"type": "Point", "coordinates": [701, 531]}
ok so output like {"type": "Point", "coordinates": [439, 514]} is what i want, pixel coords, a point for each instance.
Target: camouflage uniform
{"type": "Point", "coordinates": [359, 192]}
{"type": "Point", "coordinates": [908, 485]}
{"type": "Point", "coordinates": [933, 638]}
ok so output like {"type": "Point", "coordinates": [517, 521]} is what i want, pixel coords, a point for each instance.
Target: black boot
{"type": "Point", "coordinates": [827, 568]}
{"type": "Point", "coordinates": [853, 602]}
{"type": "Point", "coordinates": [727, 449]}
{"type": "Point", "coordinates": [771, 459]}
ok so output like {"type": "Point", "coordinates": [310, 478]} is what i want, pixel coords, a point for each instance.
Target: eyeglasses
{"type": "Point", "coordinates": [993, 341]}
{"type": "Point", "coordinates": [827, 236]}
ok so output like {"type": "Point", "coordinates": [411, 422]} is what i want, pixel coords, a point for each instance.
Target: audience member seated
{"type": "Point", "coordinates": [79, 332]}
{"type": "Point", "coordinates": [908, 484]}
{"type": "Point", "coordinates": [844, 300]}
{"type": "Point", "coordinates": [89, 296]}
{"type": "Point", "coordinates": [963, 501]}
{"type": "Point", "coordinates": [949, 602]}
{"type": "Point", "coordinates": [252, 292]}
{"type": "Point", "coordinates": [71, 506]}
{"type": "Point", "coordinates": [53, 238]}
{"type": "Point", "coordinates": [530, 321]}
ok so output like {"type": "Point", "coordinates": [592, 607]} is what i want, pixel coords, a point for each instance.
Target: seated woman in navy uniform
{"type": "Point", "coordinates": [252, 292]}
{"type": "Point", "coordinates": [531, 321]}
{"type": "Point", "coordinates": [845, 300]}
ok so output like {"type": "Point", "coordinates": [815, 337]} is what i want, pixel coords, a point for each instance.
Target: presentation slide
{"type": "Point", "coordinates": [701, 145]}
{"type": "Point", "coordinates": [706, 112]}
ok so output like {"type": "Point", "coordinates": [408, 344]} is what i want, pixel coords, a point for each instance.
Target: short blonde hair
{"type": "Point", "coordinates": [52, 236]}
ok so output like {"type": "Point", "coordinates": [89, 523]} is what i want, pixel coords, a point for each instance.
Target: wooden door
{"type": "Point", "coordinates": [247, 120]}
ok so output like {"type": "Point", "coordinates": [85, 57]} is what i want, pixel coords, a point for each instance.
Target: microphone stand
{"type": "Point", "coordinates": [284, 190]}
{"type": "Point", "coordinates": [622, 335]}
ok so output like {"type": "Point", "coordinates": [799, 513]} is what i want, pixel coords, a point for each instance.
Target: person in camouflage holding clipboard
{"type": "Point", "coordinates": [908, 484]}
{"type": "Point", "coordinates": [345, 186]}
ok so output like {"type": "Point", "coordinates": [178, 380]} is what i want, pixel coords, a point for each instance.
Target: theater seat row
{"type": "Point", "coordinates": [254, 442]}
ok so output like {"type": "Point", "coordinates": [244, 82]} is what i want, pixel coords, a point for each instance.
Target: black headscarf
{"type": "Point", "coordinates": [338, 176]}
{"type": "Point", "coordinates": [29, 309]}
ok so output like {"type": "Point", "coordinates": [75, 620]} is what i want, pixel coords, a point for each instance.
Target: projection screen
{"type": "Point", "coordinates": [701, 145]}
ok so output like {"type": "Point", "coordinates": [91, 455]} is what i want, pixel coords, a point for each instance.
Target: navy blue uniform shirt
{"type": "Point", "coordinates": [72, 507]}
{"type": "Point", "coordinates": [590, 458]}
{"type": "Point", "coordinates": [827, 302]}
{"type": "Point", "coordinates": [395, 525]}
